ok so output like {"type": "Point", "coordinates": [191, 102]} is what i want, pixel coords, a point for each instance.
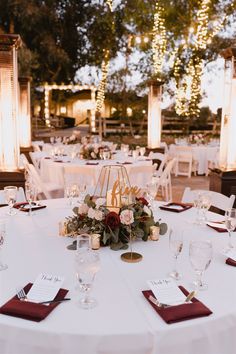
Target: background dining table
{"type": "Point", "coordinates": [123, 321]}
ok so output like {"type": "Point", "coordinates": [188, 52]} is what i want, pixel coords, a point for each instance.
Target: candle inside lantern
{"type": "Point", "coordinates": [95, 241]}
{"type": "Point", "coordinates": [154, 233]}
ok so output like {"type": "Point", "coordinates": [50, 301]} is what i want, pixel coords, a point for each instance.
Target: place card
{"type": "Point", "coordinates": [166, 291]}
{"type": "Point", "coordinates": [45, 287]}
{"type": "Point", "coordinates": [219, 224]}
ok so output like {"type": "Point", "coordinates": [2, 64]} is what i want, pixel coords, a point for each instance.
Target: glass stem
{"type": "Point", "coordinates": [230, 240]}
{"type": "Point", "coordinates": [175, 265]}
{"type": "Point", "coordinates": [131, 245]}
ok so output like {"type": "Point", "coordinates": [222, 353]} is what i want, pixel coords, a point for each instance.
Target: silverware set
{"type": "Point", "coordinates": [23, 297]}
{"type": "Point", "coordinates": [161, 305]}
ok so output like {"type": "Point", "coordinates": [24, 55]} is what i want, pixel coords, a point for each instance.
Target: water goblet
{"type": "Point", "coordinates": [197, 204]}
{"type": "Point", "coordinates": [82, 192]}
{"type": "Point", "coordinates": [87, 265]}
{"type": "Point", "coordinates": [176, 246]}
{"type": "Point", "coordinates": [83, 243]}
{"type": "Point", "coordinates": [200, 255]}
{"type": "Point", "coordinates": [30, 193]}
{"type": "Point", "coordinates": [10, 193]}
{"type": "Point", "coordinates": [151, 193]}
{"type": "Point", "coordinates": [230, 224]}
{"type": "Point", "coordinates": [2, 239]}
{"type": "Point", "coordinates": [205, 205]}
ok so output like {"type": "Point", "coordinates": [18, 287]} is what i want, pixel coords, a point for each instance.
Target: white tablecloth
{"type": "Point", "coordinates": [201, 153]}
{"type": "Point", "coordinates": [123, 322]}
{"type": "Point", "coordinates": [54, 171]}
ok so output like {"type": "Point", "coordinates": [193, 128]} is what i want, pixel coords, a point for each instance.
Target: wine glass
{"type": "Point", "coordinates": [83, 243]}
{"type": "Point", "coordinates": [10, 193]}
{"type": "Point", "coordinates": [151, 193]}
{"type": "Point", "coordinates": [2, 239]}
{"type": "Point", "coordinates": [30, 193]}
{"type": "Point", "coordinates": [197, 204]}
{"type": "Point", "coordinates": [205, 204]}
{"type": "Point", "coordinates": [176, 246]}
{"type": "Point", "coordinates": [71, 192]}
{"type": "Point", "coordinates": [87, 265]}
{"type": "Point", "coordinates": [82, 192]}
{"type": "Point", "coordinates": [200, 255]}
{"type": "Point", "coordinates": [230, 223]}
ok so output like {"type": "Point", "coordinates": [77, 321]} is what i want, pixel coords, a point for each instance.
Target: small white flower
{"type": "Point", "coordinates": [91, 213]}
{"type": "Point", "coordinates": [98, 215]}
{"type": "Point", "coordinates": [93, 155]}
{"type": "Point", "coordinates": [83, 209]}
{"type": "Point", "coordinates": [147, 210]}
{"type": "Point", "coordinates": [99, 202]}
{"type": "Point", "coordinates": [127, 217]}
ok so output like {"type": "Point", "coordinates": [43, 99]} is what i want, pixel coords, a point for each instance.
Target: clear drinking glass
{"type": "Point", "coordinates": [230, 223]}
{"type": "Point", "coordinates": [197, 200]}
{"type": "Point", "coordinates": [2, 239]}
{"type": "Point", "coordinates": [72, 192]}
{"type": "Point", "coordinates": [205, 205]}
{"type": "Point", "coordinates": [30, 193]}
{"type": "Point", "coordinates": [87, 265]}
{"type": "Point", "coordinates": [151, 193]}
{"type": "Point", "coordinates": [10, 193]}
{"type": "Point", "coordinates": [200, 255]}
{"type": "Point", "coordinates": [83, 243]}
{"type": "Point", "coordinates": [176, 246]}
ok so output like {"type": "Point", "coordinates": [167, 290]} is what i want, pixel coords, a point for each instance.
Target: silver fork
{"type": "Point", "coordinates": [21, 294]}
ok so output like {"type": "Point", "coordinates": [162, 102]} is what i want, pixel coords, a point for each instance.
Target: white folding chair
{"type": "Point", "coordinates": [46, 190]}
{"type": "Point", "coordinates": [185, 164]}
{"type": "Point", "coordinates": [161, 158]}
{"type": "Point", "coordinates": [35, 158]}
{"type": "Point", "coordinates": [164, 181]}
{"type": "Point", "coordinates": [218, 200]}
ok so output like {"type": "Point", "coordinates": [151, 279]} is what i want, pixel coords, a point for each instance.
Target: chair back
{"type": "Point", "coordinates": [38, 183]}
{"type": "Point", "coordinates": [218, 200]}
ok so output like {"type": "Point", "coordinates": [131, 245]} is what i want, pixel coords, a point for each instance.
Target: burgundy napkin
{"type": "Point", "coordinates": [185, 206]}
{"type": "Point", "coordinates": [47, 158]}
{"type": "Point", "coordinates": [30, 310]}
{"type": "Point", "coordinates": [231, 262]}
{"type": "Point", "coordinates": [22, 204]}
{"type": "Point", "coordinates": [91, 163]}
{"type": "Point", "coordinates": [60, 161]}
{"type": "Point", "coordinates": [125, 163]}
{"type": "Point", "coordinates": [218, 229]}
{"type": "Point", "coordinates": [181, 312]}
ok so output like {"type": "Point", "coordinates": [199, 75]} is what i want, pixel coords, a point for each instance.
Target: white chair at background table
{"type": "Point", "coordinates": [185, 163]}
{"type": "Point", "coordinates": [161, 158]}
{"type": "Point", "coordinates": [164, 181]}
{"type": "Point", "coordinates": [218, 200]}
{"type": "Point", "coordinates": [46, 190]}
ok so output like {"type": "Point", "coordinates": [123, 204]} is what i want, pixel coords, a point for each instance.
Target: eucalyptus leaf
{"type": "Point", "coordinates": [163, 228]}
{"type": "Point", "coordinates": [119, 246]}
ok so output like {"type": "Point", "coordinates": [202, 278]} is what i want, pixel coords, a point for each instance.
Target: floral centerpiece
{"type": "Point", "coordinates": [198, 139]}
{"type": "Point", "coordinates": [115, 228]}
{"type": "Point", "coordinates": [93, 151]}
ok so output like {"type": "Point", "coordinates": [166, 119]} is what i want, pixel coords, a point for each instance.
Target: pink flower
{"type": "Point", "coordinates": [127, 217]}
{"type": "Point", "coordinates": [91, 213]}
{"type": "Point", "coordinates": [83, 209]}
{"type": "Point", "coordinates": [98, 215]}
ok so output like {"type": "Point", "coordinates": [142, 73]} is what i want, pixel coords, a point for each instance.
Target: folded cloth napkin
{"type": "Point", "coordinates": [176, 207]}
{"type": "Point", "coordinates": [60, 161]}
{"type": "Point", "coordinates": [30, 310]}
{"type": "Point", "coordinates": [91, 163]}
{"type": "Point", "coordinates": [47, 158]}
{"type": "Point", "coordinates": [125, 163]}
{"type": "Point", "coordinates": [216, 225]}
{"type": "Point", "coordinates": [231, 262]}
{"type": "Point", "coordinates": [22, 206]}
{"type": "Point", "coordinates": [181, 312]}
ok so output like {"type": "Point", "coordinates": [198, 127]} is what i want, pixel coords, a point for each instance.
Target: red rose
{"type": "Point", "coordinates": [112, 220]}
{"type": "Point", "coordinates": [143, 201]}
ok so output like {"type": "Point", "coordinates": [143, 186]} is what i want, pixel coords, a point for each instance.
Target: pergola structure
{"type": "Point", "coordinates": [48, 88]}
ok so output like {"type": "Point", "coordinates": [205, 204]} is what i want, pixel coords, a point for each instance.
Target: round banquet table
{"type": "Point", "coordinates": [123, 321]}
{"type": "Point", "coordinates": [53, 171]}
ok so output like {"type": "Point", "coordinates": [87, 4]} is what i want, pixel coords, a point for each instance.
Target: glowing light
{"type": "Point", "coordinates": [24, 112]}
{"type": "Point", "coordinates": [159, 41]}
{"type": "Point", "coordinates": [154, 116]}
{"type": "Point", "coordinates": [9, 140]}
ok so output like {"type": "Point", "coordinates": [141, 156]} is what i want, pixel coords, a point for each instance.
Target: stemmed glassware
{"type": "Point", "coordinates": [230, 224]}
{"type": "Point", "coordinates": [30, 193]}
{"type": "Point", "coordinates": [176, 246]}
{"type": "Point", "coordinates": [205, 205]}
{"type": "Point", "coordinates": [151, 193]}
{"type": "Point", "coordinates": [197, 204]}
{"type": "Point", "coordinates": [72, 192]}
{"type": "Point", "coordinates": [2, 239]}
{"type": "Point", "coordinates": [87, 265]}
{"type": "Point", "coordinates": [10, 193]}
{"type": "Point", "coordinates": [200, 255]}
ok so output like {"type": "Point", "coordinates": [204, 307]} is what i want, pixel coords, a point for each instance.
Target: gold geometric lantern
{"type": "Point", "coordinates": [9, 141]}
{"type": "Point", "coordinates": [114, 186]}
{"type": "Point", "coordinates": [24, 112]}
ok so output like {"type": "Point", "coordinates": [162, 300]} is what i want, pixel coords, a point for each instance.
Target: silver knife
{"type": "Point", "coordinates": [54, 301]}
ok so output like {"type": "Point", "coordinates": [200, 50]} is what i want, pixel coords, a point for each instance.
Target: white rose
{"type": "Point", "coordinates": [147, 210]}
{"type": "Point", "coordinates": [93, 155]}
{"type": "Point", "coordinates": [98, 215]}
{"type": "Point", "coordinates": [91, 213]}
{"type": "Point", "coordinates": [83, 209]}
{"type": "Point", "coordinates": [99, 202]}
{"type": "Point", "coordinates": [127, 217]}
